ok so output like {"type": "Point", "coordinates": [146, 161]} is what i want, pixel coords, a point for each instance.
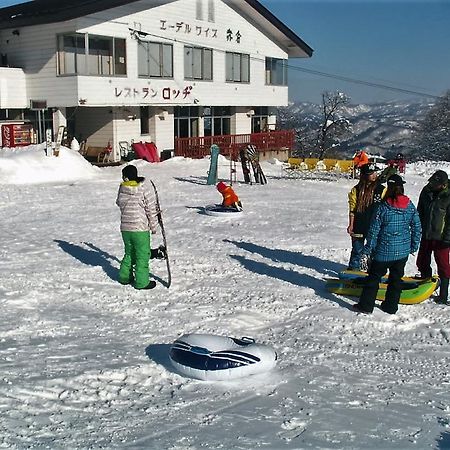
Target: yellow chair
{"type": "Point", "coordinates": [294, 163]}
{"type": "Point", "coordinates": [345, 166]}
{"type": "Point", "coordinates": [330, 164]}
{"type": "Point", "coordinates": [311, 163]}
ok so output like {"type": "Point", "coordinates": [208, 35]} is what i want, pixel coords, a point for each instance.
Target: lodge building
{"type": "Point", "coordinates": [179, 73]}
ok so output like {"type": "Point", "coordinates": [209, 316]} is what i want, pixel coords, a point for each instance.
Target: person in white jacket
{"type": "Point", "coordinates": [138, 219]}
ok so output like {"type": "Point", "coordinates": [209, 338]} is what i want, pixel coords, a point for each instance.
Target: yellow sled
{"type": "Point", "coordinates": [413, 291]}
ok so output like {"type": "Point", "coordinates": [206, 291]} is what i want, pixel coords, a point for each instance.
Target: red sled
{"type": "Point", "coordinates": [146, 151]}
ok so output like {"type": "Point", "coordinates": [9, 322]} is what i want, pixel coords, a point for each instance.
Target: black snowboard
{"type": "Point", "coordinates": [161, 251]}
{"type": "Point", "coordinates": [253, 156]}
{"type": "Point", "coordinates": [245, 165]}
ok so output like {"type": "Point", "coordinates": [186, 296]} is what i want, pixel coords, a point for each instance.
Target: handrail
{"type": "Point", "coordinates": [231, 144]}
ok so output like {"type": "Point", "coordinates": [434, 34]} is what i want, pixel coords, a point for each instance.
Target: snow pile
{"type": "Point", "coordinates": [26, 165]}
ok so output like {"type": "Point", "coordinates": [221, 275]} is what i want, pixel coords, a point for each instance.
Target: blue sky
{"type": "Point", "coordinates": [399, 43]}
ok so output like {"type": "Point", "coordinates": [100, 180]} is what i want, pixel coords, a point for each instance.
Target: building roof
{"type": "Point", "coordinates": [40, 12]}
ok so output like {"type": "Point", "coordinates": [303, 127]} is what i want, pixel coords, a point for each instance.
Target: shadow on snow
{"type": "Point", "coordinates": [192, 179]}
{"type": "Point", "coordinates": [159, 353]}
{"type": "Point", "coordinates": [94, 257]}
{"type": "Point", "coordinates": [290, 276]}
{"type": "Point", "coordinates": [291, 257]}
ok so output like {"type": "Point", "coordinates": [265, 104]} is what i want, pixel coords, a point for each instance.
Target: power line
{"type": "Point", "coordinates": [362, 82]}
{"type": "Point", "coordinates": [302, 69]}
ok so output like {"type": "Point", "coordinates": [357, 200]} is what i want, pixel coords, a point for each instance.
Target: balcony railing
{"type": "Point", "coordinates": [231, 144]}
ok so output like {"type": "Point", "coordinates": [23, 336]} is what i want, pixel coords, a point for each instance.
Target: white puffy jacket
{"type": "Point", "coordinates": [137, 206]}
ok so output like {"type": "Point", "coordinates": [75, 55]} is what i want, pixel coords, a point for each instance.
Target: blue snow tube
{"type": "Point", "coordinates": [210, 357]}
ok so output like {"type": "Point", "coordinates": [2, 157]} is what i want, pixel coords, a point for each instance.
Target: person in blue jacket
{"type": "Point", "coordinates": [393, 234]}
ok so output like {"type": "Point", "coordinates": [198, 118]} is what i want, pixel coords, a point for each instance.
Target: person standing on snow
{"type": "Point", "coordinates": [362, 201]}
{"type": "Point", "coordinates": [394, 233]}
{"type": "Point", "coordinates": [138, 218]}
{"type": "Point", "coordinates": [360, 158]}
{"type": "Point", "coordinates": [434, 212]}
{"type": "Point", "coordinates": [230, 198]}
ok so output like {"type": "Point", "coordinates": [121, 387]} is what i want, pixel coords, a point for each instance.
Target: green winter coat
{"type": "Point", "coordinates": [434, 213]}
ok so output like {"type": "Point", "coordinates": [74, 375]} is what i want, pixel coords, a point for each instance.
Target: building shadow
{"type": "Point", "coordinates": [192, 179]}
{"type": "Point", "coordinates": [94, 257]}
{"type": "Point", "coordinates": [291, 257]}
{"type": "Point", "coordinates": [290, 276]}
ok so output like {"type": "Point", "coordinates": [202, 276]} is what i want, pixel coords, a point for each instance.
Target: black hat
{"type": "Point", "coordinates": [130, 172]}
{"type": "Point", "coordinates": [367, 169]}
{"type": "Point", "coordinates": [395, 180]}
{"type": "Point", "coordinates": [438, 177]}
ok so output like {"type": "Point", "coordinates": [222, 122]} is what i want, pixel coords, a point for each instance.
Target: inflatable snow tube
{"type": "Point", "coordinates": [220, 211]}
{"type": "Point", "coordinates": [213, 358]}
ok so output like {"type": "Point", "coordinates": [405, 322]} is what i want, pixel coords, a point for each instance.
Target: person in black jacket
{"type": "Point", "coordinates": [434, 213]}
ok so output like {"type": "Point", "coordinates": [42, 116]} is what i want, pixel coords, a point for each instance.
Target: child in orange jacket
{"type": "Point", "coordinates": [230, 199]}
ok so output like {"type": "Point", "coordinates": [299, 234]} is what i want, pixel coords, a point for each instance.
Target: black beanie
{"type": "Point", "coordinates": [130, 172]}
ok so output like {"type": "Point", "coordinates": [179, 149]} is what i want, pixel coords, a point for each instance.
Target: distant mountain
{"type": "Point", "coordinates": [384, 128]}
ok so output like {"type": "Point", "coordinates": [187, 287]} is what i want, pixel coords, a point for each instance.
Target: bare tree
{"type": "Point", "coordinates": [334, 126]}
{"type": "Point", "coordinates": [432, 139]}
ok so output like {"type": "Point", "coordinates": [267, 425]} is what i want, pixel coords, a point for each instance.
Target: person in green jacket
{"type": "Point", "coordinates": [434, 213]}
{"type": "Point", "coordinates": [139, 214]}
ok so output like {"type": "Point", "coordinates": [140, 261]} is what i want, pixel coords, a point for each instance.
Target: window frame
{"type": "Point", "coordinates": [161, 56]}
{"type": "Point", "coordinates": [192, 63]}
{"type": "Point", "coordinates": [235, 58]}
{"type": "Point", "coordinates": [271, 71]}
{"type": "Point", "coordinates": [84, 56]}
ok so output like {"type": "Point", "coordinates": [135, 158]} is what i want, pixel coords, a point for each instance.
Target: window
{"type": "Point", "coordinates": [260, 120]}
{"type": "Point", "coordinates": [145, 117]}
{"type": "Point", "coordinates": [101, 56]}
{"type": "Point", "coordinates": [71, 54]}
{"type": "Point", "coordinates": [155, 59]}
{"type": "Point", "coordinates": [211, 11]}
{"type": "Point", "coordinates": [186, 121]}
{"type": "Point", "coordinates": [217, 121]}
{"type": "Point", "coordinates": [199, 10]}
{"type": "Point", "coordinates": [237, 67]}
{"type": "Point", "coordinates": [198, 63]}
{"type": "Point", "coordinates": [276, 71]}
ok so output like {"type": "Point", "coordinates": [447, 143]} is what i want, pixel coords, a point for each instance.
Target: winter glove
{"type": "Point", "coordinates": [364, 263]}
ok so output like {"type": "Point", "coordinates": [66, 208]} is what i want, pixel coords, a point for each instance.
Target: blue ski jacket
{"type": "Point", "coordinates": [394, 231]}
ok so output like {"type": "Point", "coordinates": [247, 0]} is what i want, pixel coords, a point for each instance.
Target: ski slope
{"type": "Point", "coordinates": [84, 360]}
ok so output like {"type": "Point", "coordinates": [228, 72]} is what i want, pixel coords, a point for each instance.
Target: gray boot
{"type": "Point", "coordinates": [443, 292]}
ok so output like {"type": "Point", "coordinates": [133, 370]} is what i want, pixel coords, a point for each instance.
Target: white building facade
{"type": "Point", "coordinates": [147, 70]}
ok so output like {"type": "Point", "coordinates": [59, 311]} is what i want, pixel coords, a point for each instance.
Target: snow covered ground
{"type": "Point", "coordinates": [84, 360]}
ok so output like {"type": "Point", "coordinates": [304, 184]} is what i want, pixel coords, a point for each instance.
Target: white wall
{"type": "Point", "coordinates": [162, 128]}
{"type": "Point", "coordinates": [34, 51]}
{"type": "Point", "coordinates": [12, 88]}
{"type": "Point", "coordinates": [102, 91]}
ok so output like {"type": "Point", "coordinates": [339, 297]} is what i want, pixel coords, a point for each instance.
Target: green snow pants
{"type": "Point", "coordinates": [137, 255]}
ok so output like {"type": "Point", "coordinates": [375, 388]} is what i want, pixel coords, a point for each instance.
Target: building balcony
{"type": "Point", "coordinates": [269, 144]}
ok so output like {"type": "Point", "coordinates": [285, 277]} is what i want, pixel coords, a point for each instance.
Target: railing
{"type": "Point", "coordinates": [231, 144]}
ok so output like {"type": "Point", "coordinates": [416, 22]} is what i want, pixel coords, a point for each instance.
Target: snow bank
{"type": "Point", "coordinates": [29, 165]}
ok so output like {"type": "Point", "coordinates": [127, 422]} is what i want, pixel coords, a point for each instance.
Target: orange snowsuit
{"type": "Point", "coordinates": [229, 196]}
{"type": "Point", "coordinates": [360, 159]}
